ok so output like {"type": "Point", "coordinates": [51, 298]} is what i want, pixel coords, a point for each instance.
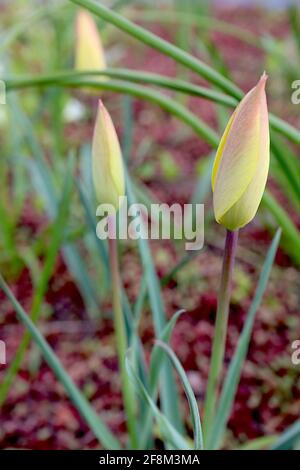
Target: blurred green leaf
{"type": "Point", "coordinates": [290, 233]}
{"type": "Point", "coordinates": [160, 44]}
{"type": "Point", "coordinates": [169, 395]}
{"type": "Point", "coordinates": [288, 438]}
{"type": "Point", "coordinates": [168, 431]}
{"type": "Point", "coordinates": [183, 58]}
{"type": "Point", "coordinates": [57, 234]}
{"type": "Point", "coordinates": [260, 443]}
{"type": "Point", "coordinates": [189, 394]}
{"type": "Point", "coordinates": [93, 420]}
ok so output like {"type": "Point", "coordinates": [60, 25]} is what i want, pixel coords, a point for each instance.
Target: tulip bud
{"type": "Point", "coordinates": [107, 164]}
{"type": "Point", "coordinates": [241, 164]}
{"type": "Point", "coordinates": [89, 54]}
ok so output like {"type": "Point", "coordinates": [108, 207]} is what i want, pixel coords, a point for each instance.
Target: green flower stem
{"type": "Point", "coordinates": [220, 332]}
{"type": "Point", "coordinates": [182, 113]}
{"type": "Point", "coordinates": [176, 109]}
{"type": "Point", "coordinates": [89, 77]}
{"type": "Point", "coordinates": [121, 337]}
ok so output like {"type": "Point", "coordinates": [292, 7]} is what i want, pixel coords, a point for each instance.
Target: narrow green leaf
{"type": "Point", "coordinates": [288, 164]}
{"type": "Point", "coordinates": [168, 431]}
{"type": "Point", "coordinates": [72, 79]}
{"type": "Point", "coordinates": [288, 438]}
{"type": "Point", "coordinates": [260, 443]}
{"type": "Point", "coordinates": [169, 396]}
{"type": "Point", "coordinates": [95, 423]}
{"type": "Point", "coordinates": [290, 233]}
{"type": "Point", "coordinates": [155, 370]}
{"type": "Point", "coordinates": [189, 394]}
{"type": "Point", "coordinates": [178, 110]}
{"type": "Point", "coordinates": [160, 44]}
{"type": "Point", "coordinates": [157, 354]}
{"type": "Point", "coordinates": [57, 233]}
{"type": "Point", "coordinates": [88, 78]}
{"type": "Point", "coordinates": [26, 22]}
{"type": "Point", "coordinates": [295, 25]}
{"type": "Point", "coordinates": [181, 57]}
{"type": "Point", "coordinates": [91, 221]}
{"type": "Point", "coordinates": [127, 119]}
{"type": "Point", "coordinates": [46, 186]}
{"type": "Point", "coordinates": [40, 175]}
{"type": "Point", "coordinates": [131, 330]}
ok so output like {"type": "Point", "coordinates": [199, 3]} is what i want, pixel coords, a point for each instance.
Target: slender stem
{"type": "Point", "coordinates": [72, 79]}
{"type": "Point", "coordinates": [121, 337]}
{"type": "Point", "coordinates": [220, 332]}
{"type": "Point", "coordinates": [67, 77]}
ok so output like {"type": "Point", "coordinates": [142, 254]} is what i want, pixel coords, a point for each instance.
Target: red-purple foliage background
{"type": "Point", "coordinates": [37, 413]}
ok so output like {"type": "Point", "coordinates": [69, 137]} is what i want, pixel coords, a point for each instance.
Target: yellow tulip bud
{"type": "Point", "coordinates": [242, 160]}
{"type": "Point", "coordinates": [89, 53]}
{"type": "Point", "coordinates": [107, 163]}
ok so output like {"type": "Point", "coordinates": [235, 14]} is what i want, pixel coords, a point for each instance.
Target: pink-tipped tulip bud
{"type": "Point", "coordinates": [241, 164]}
{"type": "Point", "coordinates": [107, 163]}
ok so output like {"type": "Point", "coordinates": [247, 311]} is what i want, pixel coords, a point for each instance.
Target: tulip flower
{"type": "Point", "coordinates": [242, 161]}
{"type": "Point", "coordinates": [109, 183]}
{"type": "Point", "coordinates": [239, 177]}
{"type": "Point", "coordinates": [107, 164]}
{"type": "Point", "coordinates": [89, 54]}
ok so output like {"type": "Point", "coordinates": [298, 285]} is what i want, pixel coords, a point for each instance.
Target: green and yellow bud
{"type": "Point", "coordinates": [107, 163]}
{"type": "Point", "coordinates": [89, 52]}
{"type": "Point", "coordinates": [242, 160]}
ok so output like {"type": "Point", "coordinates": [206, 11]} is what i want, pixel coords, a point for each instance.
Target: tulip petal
{"type": "Point", "coordinates": [221, 150]}
{"type": "Point", "coordinates": [89, 51]}
{"type": "Point", "coordinates": [239, 152]}
{"type": "Point", "coordinates": [244, 210]}
{"type": "Point", "coordinates": [108, 173]}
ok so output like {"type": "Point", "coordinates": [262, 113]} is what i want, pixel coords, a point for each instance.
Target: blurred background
{"type": "Point", "coordinates": [56, 267]}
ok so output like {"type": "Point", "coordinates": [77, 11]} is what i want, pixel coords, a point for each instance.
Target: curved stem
{"type": "Point", "coordinates": [220, 332]}
{"type": "Point", "coordinates": [85, 79]}
{"type": "Point", "coordinates": [80, 78]}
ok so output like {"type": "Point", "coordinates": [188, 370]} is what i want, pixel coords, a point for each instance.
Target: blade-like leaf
{"type": "Point", "coordinates": [260, 443]}
{"type": "Point", "coordinates": [168, 431]}
{"type": "Point", "coordinates": [290, 233]}
{"type": "Point", "coordinates": [183, 58]}
{"type": "Point", "coordinates": [58, 229]}
{"type": "Point", "coordinates": [154, 372]}
{"type": "Point", "coordinates": [169, 397]}
{"type": "Point", "coordinates": [157, 354]}
{"type": "Point", "coordinates": [95, 423]}
{"type": "Point", "coordinates": [45, 185]}
{"type": "Point", "coordinates": [189, 394]}
{"type": "Point", "coordinates": [288, 438]}
{"type": "Point", "coordinates": [67, 78]}
{"type": "Point", "coordinates": [160, 44]}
